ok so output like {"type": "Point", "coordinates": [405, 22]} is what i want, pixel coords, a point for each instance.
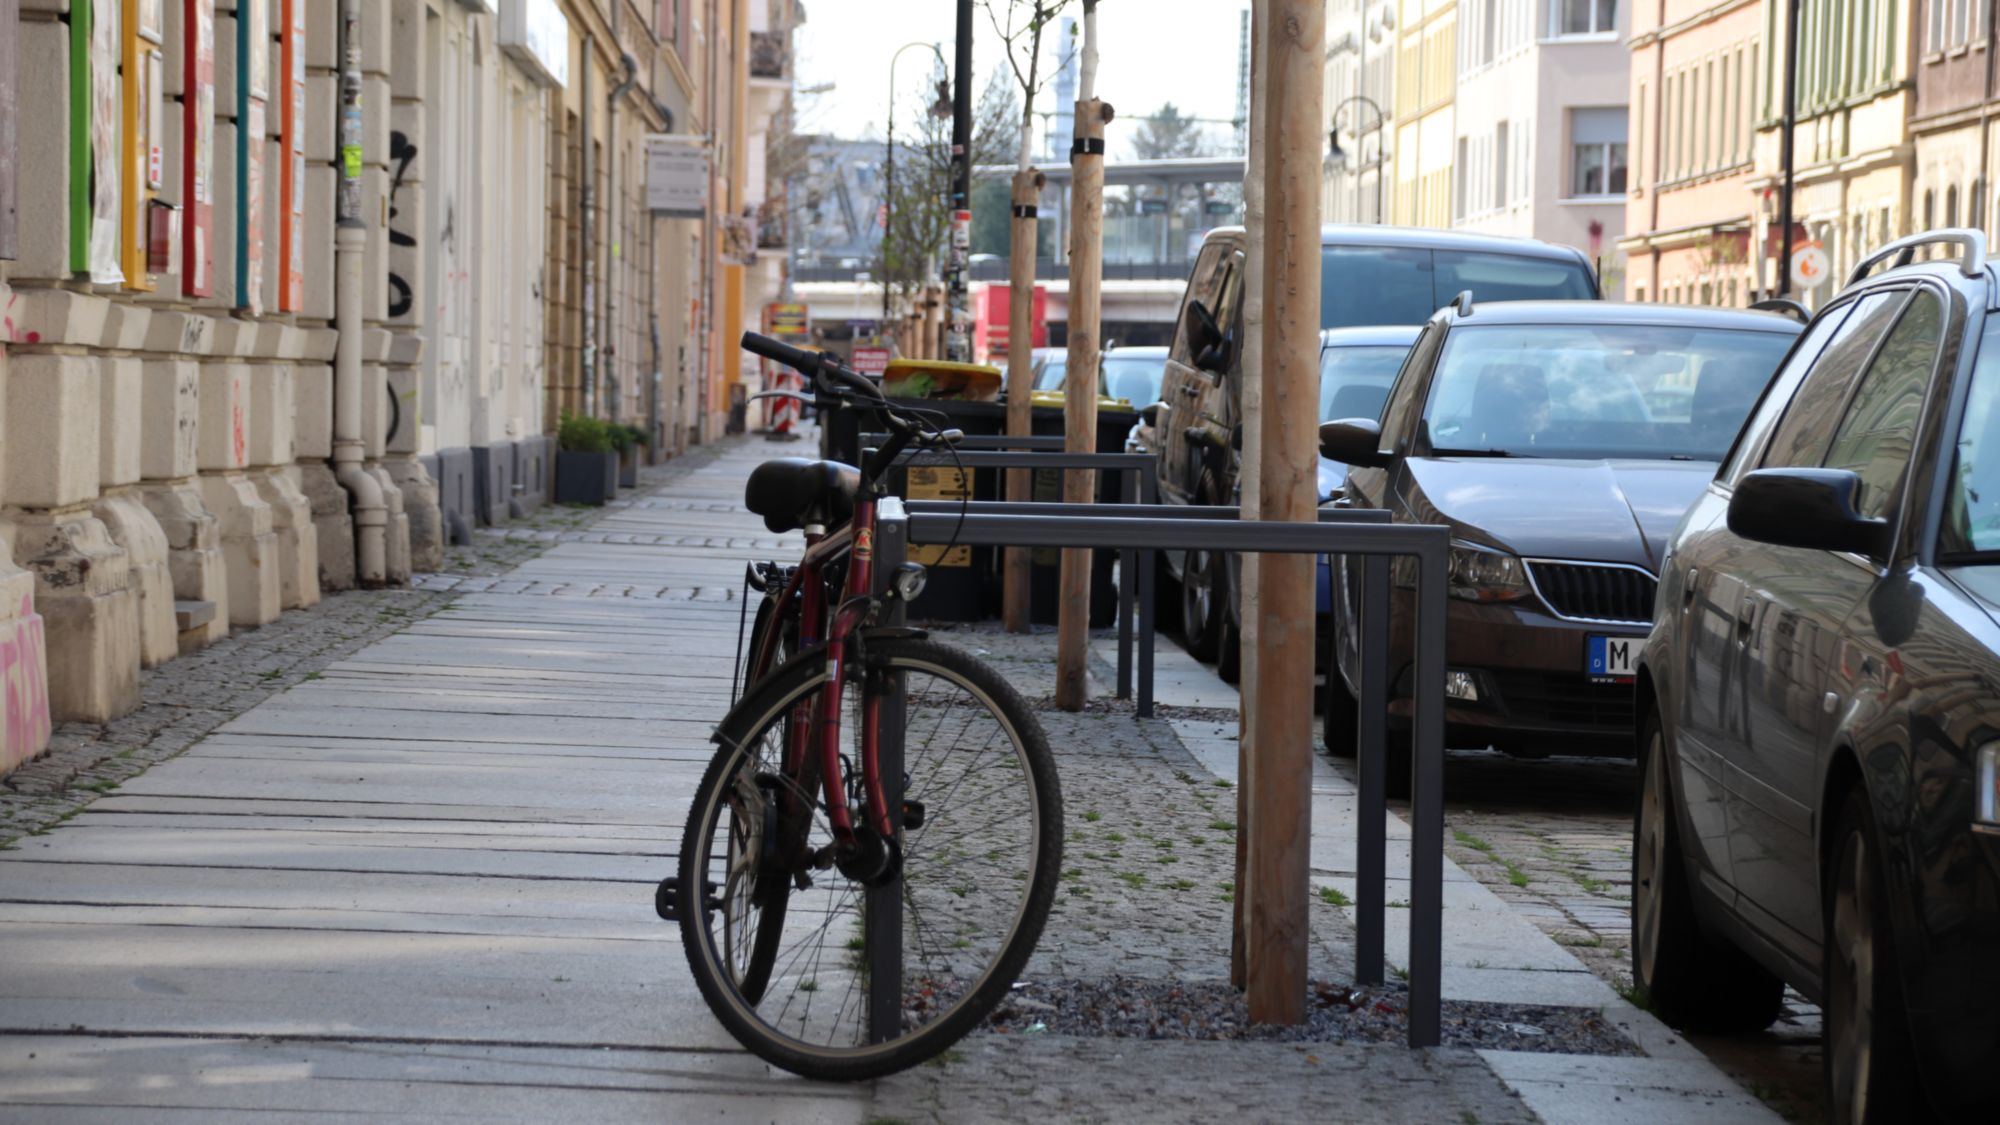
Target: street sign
{"type": "Point", "coordinates": [1810, 265]}
{"type": "Point", "coordinates": [871, 361]}
{"type": "Point", "coordinates": [677, 175]}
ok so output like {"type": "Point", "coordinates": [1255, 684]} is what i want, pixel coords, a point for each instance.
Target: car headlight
{"type": "Point", "coordinates": [1986, 794]}
{"type": "Point", "coordinates": [1482, 574]}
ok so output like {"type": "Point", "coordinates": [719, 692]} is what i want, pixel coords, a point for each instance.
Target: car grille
{"type": "Point", "coordinates": [1558, 700]}
{"type": "Point", "coordinates": [1594, 592]}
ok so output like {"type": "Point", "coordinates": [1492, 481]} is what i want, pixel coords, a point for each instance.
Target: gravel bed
{"type": "Point", "coordinates": [1132, 1008]}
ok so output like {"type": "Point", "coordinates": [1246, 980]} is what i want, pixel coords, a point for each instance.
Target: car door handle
{"type": "Point", "coordinates": [1190, 390]}
{"type": "Point", "coordinates": [1688, 586]}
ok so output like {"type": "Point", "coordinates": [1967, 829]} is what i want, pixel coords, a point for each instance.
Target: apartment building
{"type": "Point", "coordinates": [1426, 84]}
{"type": "Point", "coordinates": [1361, 47]}
{"type": "Point", "coordinates": [1956, 114]}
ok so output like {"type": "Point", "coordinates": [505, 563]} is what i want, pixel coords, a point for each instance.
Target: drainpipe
{"type": "Point", "coordinates": [630, 66]}
{"type": "Point", "coordinates": [588, 271]}
{"type": "Point", "coordinates": [350, 244]}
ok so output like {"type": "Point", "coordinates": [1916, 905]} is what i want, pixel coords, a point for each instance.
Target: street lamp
{"type": "Point", "coordinates": [940, 108]}
{"type": "Point", "coordinates": [1336, 156]}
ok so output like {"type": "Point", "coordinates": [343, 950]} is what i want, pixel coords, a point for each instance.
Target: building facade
{"type": "Point", "coordinates": [1360, 106]}
{"type": "Point", "coordinates": [1854, 157]}
{"type": "Point", "coordinates": [1426, 78]}
{"type": "Point", "coordinates": [1957, 112]}
{"type": "Point", "coordinates": [1540, 145]}
{"type": "Point", "coordinates": [172, 415]}
{"type": "Point", "coordinates": [1693, 206]}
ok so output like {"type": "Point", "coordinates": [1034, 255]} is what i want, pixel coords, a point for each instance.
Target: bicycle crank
{"type": "Point", "coordinates": [872, 860]}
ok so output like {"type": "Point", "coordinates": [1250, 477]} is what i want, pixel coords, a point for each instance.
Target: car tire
{"type": "Point", "coordinates": [1688, 979]}
{"type": "Point", "coordinates": [1871, 1068]}
{"type": "Point", "coordinates": [1203, 587]}
{"type": "Point", "coordinates": [1229, 644]}
{"type": "Point", "coordinates": [1340, 713]}
{"type": "Point", "coordinates": [1166, 598]}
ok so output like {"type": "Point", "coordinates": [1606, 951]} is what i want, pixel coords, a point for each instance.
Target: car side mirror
{"type": "Point", "coordinates": [1236, 438]}
{"type": "Point", "coordinates": [1353, 441]}
{"type": "Point", "coordinates": [1809, 508]}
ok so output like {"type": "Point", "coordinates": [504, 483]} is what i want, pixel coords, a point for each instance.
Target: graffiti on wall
{"type": "Point", "coordinates": [24, 688]}
{"type": "Point", "coordinates": [401, 155]}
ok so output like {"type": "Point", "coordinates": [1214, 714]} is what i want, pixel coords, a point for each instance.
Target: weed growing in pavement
{"type": "Point", "coordinates": [1223, 825]}
{"type": "Point", "coordinates": [1399, 973]}
{"type": "Point", "coordinates": [1093, 816]}
{"type": "Point", "coordinates": [272, 674]}
{"type": "Point", "coordinates": [1073, 874]}
{"type": "Point", "coordinates": [1591, 942]}
{"type": "Point", "coordinates": [101, 786]}
{"type": "Point", "coordinates": [1515, 875]}
{"type": "Point", "coordinates": [1182, 884]}
{"type": "Point", "coordinates": [1398, 904]}
{"type": "Point", "coordinates": [1197, 841]}
{"type": "Point", "coordinates": [311, 676]}
{"type": "Point", "coordinates": [1634, 996]}
{"type": "Point", "coordinates": [1115, 837]}
{"type": "Point", "coordinates": [1594, 886]}
{"type": "Point", "coordinates": [1333, 897]}
{"type": "Point", "coordinates": [1223, 783]}
{"type": "Point", "coordinates": [1467, 839]}
{"type": "Point", "coordinates": [1132, 879]}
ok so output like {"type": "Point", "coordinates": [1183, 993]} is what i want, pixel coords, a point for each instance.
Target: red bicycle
{"type": "Point", "coordinates": [795, 827]}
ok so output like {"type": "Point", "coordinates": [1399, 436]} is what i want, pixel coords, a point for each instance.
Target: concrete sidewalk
{"type": "Point", "coordinates": [419, 885]}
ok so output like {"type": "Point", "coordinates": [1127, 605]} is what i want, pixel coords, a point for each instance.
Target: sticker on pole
{"type": "Point", "coordinates": [1810, 265]}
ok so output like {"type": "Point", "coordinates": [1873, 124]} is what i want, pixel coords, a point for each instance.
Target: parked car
{"type": "Point", "coordinates": [1370, 275]}
{"type": "Point", "coordinates": [1552, 438]}
{"type": "Point", "coordinates": [1820, 704]}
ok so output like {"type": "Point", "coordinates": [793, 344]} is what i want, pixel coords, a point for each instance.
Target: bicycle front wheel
{"type": "Point", "coordinates": [781, 950]}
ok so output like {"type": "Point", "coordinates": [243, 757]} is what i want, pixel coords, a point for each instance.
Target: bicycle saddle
{"type": "Point", "coordinates": [792, 492]}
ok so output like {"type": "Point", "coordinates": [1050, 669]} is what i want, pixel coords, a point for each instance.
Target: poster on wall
{"type": "Point", "coordinates": [139, 147]}
{"type": "Point", "coordinates": [253, 60]}
{"type": "Point", "coordinates": [10, 143]}
{"type": "Point", "coordinates": [292, 173]}
{"type": "Point", "coordinates": [106, 111]}
{"type": "Point", "coordinates": [198, 141]}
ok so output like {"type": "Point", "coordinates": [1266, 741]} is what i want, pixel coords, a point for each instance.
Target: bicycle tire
{"type": "Point", "coordinates": [750, 1020]}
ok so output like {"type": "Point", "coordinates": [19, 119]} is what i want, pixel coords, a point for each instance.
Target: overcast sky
{"type": "Point", "coordinates": [1149, 52]}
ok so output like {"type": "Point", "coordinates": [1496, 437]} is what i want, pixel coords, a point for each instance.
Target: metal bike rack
{"type": "Point", "coordinates": [1339, 532]}
{"type": "Point", "coordinates": [1037, 443]}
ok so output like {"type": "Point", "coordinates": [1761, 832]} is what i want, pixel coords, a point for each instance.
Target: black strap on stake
{"type": "Point", "coordinates": [1087, 146]}
{"type": "Point", "coordinates": [1025, 211]}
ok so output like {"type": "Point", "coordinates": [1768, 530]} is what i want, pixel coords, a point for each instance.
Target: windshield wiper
{"type": "Point", "coordinates": [1436, 452]}
{"type": "Point", "coordinates": [1986, 557]}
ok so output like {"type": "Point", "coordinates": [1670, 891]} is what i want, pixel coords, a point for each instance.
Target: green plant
{"type": "Point", "coordinates": [578, 433]}
{"type": "Point", "coordinates": [1332, 896]}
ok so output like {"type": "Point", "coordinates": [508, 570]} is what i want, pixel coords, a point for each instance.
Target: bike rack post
{"type": "Point", "coordinates": [1371, 759]}
{"type": "Point", "coordinates": [883, 910]}
{"type": "Point", "coordinates": [1040, 443]}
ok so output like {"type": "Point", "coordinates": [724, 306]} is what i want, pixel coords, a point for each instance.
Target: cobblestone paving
{"type": "Point", "coordinates": [186, 698]}
{"type": "Point", "coordinates": [1553, 838]}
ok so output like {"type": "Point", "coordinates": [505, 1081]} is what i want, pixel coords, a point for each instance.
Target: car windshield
{"type": "Point", "coordinates": [1597, 391]}
{"type": "Point", "coordinates": [1354, 381]}
{"type": "Point", "coordinates": [1134, 378]}
{"type": "Point", "coordinates": [1972, 507]}
{"type": "Point", "coordinates": [1369, 285]}
{"type": "Point", "coordinates": [1049, 376]}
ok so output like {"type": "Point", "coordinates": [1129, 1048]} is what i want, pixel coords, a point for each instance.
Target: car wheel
{"type": "Point", "coordinates": [1687, 978]}
{"type": "Point", "coordinates": [1229, 644]}
{"type": "Point", "coordinates": [1202, 590]}
{"type": "Point", "coordinates": [1870, 1067]}
{"type": "Point", "coordinates": [1340, 713]}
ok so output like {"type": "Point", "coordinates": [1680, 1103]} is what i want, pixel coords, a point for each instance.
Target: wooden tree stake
{"type": "Point", "coordinates": [1020, 381]}
{"type": "Point", "coordinates": [1086, 282]}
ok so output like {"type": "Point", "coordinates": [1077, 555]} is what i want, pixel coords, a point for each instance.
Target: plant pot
{"type": "Point", "coordinates": [586, 478]}
{"type": "Point", "coordinates": [628, 469]}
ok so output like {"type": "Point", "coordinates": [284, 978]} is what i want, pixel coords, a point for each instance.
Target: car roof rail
{"type": "Point", "coordinates": [1784, 305]}
{"type": "Point", "coordinates": [1904, 249]}
{"type": "Point", "coordinates": [1463, 302]}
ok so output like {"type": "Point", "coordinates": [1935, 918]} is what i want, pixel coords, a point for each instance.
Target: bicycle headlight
{"type": "Point", "coordinates": [1482, 574]}
{"type": "Point", "coordinates": [1986, 791]}
{"type": "Point", "coordinates": [908, 581]}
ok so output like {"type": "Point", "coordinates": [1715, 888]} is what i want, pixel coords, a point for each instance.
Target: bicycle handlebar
{"type": "Point", "coordinates": [816, 366]}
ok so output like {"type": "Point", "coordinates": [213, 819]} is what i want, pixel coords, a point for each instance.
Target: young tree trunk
{"type": "Point", "coordinates": [1281, 787]}
{"type": "Point", "coordinates": [1020, 381]}
{"type": "Point", "coordinates": [1086, 280]}
{"type": "Point", "coordinates": [1250, 418]}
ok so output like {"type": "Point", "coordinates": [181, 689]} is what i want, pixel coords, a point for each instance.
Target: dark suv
{"type": "Point", "coordinates": [1820, 703]}
{"type": "Point", "coordinates": [1370, 275]}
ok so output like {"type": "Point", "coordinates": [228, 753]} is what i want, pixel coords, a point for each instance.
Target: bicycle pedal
{"type": "Point", "coordinates": [913, 814]}
{"type": "Point", "coordinates": [666, 898]}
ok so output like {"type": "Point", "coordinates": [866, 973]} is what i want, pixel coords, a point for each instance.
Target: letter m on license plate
{"type": "Point", "coordinates": [1612, 658]}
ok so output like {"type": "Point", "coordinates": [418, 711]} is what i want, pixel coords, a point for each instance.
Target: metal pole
{"type": "Point", "coordinates": [889, 185]}
{"type": "Point", "coordinates": [587, 197]}
{"type": "Point", "coordinates": [1371, 757]}
{"type": "Point", "coordinates": [350, 247]}
{"type": "Point", "coordinates": [1785, 145]}
{"type": "Point", "coordinates": [1427, 803]}
{"type": "Point", "coordinates": [883, 907]}
{"type": "Point", "coordinates": [958, 330]}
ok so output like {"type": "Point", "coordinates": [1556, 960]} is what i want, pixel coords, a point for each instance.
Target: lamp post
{"type": "Point", "coordinates": [939, 108]}
{"type": "Point", "coordinates": [1335, 155]}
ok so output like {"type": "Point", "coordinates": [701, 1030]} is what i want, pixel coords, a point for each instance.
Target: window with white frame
{"type": "Point", "coordinates": [1582, 17]}
{"type": "Point", "coordinates": [1597, 152]}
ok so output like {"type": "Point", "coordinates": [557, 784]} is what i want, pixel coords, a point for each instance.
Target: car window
{"type": "Point", "coordinates": [1403, 393]}
{"type": "Point", "coordinates": [1133, 378]}
{"type": "Point", "coordinates": [1880, 427]}
{"type": "Point", "coordinates": [1972, 506]}
{"type": "Point", "coordinates": [1807, 427]}
{"type": "Point", "coordinates": [1354, 381]}
{"type": "Point", "coordinates": [1369, 285]}
{"type": "Point", "coordinates": [1751, 442]}
{"type": "Point", "coordinates": [1663, 391]}
{"type": "Point", "coordinates": [1202, 286]}
{"type": "Point", "coordinates": [1049, 376]}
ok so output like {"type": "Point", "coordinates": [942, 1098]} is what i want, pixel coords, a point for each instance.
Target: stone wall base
{"type": "Point", "coordinates": [249, 547]}
{"type": "Point", "coordinates": [91, 627]}
{"type": "Point", "coordinates": [493, 481]}
{"type": "Point", "coordinates": [333, 526]}
{"type": "Point", "coordinates": [194, 553]}
{"type": "Point", "coordinates": [398, 560]}
{"type": "Point", "coordinates": [24, 667]}
{"type": "Point", "coordinates": [421, 505]}
{"type": "Point", "coordinates": [135, 530]}
{"type": "Point", "coordinates": [298, 538]}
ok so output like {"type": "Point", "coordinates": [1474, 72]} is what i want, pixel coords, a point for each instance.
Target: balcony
{"type": "Point", "coordinates": [770, 55]}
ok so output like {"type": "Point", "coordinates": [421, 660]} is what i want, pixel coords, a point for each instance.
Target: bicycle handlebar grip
{"type": "Point", "coordinates": [805, 362]}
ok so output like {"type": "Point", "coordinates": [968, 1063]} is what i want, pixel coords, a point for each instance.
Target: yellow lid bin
{"type": "Point", "coordinates": [937, 379]}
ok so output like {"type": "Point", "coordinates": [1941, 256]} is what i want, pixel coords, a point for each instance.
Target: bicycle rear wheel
{"type": "Point", "coordinates": [785, 966]}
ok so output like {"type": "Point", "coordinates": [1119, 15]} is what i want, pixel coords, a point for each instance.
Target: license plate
{"type": "Point", "coordinates": [1611, 658]}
